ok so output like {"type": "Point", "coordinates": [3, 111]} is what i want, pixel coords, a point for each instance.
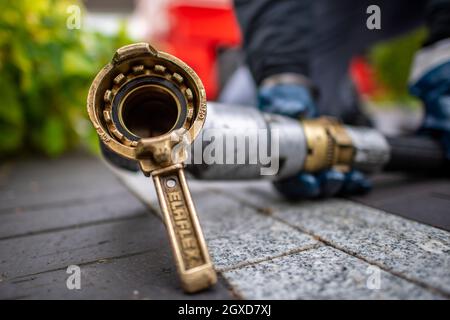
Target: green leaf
{"type": "Point", "coordinates": [45, 73]}
{"type": "Point", "coordinates": [53, 136]}
{"type": "Point", "coordinates": [75, 64]}
{"type": "Point", "coordinates": [11, 119]}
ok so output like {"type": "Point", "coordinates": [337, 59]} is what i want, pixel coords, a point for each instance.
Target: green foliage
{"type": "Point", "coordinates": [45, 73]}
{"type": "Point", "coordinates": [392, 62]}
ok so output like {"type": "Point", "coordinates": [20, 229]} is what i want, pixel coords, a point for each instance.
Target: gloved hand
{"type": "Point", "coordinates": [290, 100]}
{"type": "Point", "coordinates": [295, 100]}
{"type": "Point", "coordinates": [327, 183]}
{"type": "Point", "coordinates": [430, 81]}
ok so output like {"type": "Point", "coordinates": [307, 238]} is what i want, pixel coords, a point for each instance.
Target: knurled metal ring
{"type": "Point", "coordinates": [141, 75]}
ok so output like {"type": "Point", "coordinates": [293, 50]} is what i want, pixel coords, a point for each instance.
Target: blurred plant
{"type": "Point", "coordinates": [45, 73]}
{"type": "Point", "coordinates": [391, 61]}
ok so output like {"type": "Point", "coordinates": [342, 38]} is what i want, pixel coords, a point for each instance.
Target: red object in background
{"type": "Point", "coordinates": [363, 76]}
{"type": "Point", "coordinates": [196, 30]}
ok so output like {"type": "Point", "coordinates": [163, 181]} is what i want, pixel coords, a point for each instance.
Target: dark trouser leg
{"type": "Point", "coordinates": [438, 20]}
{"type": "Point", "coordinates": [340, 32]}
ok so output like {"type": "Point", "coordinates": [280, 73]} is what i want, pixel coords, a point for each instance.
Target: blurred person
{"type": "Point", "coordinates": [298, 53]}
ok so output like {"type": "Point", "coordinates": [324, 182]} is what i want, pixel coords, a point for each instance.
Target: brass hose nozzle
{"type": "Point", "coordinates": [148, 106]}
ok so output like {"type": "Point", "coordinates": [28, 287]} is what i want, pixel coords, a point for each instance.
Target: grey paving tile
{"type": "Point", "coordinates": [72, 168]}
{"type": "Point", "coordinates": [150, 275]}
{"type": "Point", "coordinates": [25, 222]}
{"type": "Point", "coordinates": [259, 194]}
{"type": "Point", "coordinates": [426, 200]}
{"type": "Point", "coordinates": [80, 214]}
{"type": "Point", "coordinates": [38, 184]}
{"type": "Point", "coordinates": [322, 273]}
{"type": "Point", "coordinates": [416, 250]}
{"type": "Point", "coordinates": [140, 186]}
{"type": "Point", "coordinates": [143, 187]}
{"type": "Point", "coordinates": [55, 250]}
{"type": "Point", "coordinates": [235, 233]}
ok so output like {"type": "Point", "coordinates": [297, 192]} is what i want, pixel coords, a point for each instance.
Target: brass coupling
{"type": "Point", "coordinates": [148, 106]}
{"type": "Point", "coordinates": [328, 145]}
{"type": "Point", "coordinates": [140, 99]}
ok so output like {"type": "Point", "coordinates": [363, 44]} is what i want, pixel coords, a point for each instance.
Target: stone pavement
{"type": "Point", "coordinates": [73, 211]}
{"type": "Point", "coordinates": [267, 248]}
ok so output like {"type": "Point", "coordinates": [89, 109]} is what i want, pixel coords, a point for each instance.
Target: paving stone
{"type": "Point", "coordinates": [26, 222]}
{"type": "Point", "coordinates": [43, 183]}
{"type": "Point", "coordinates": [54, 250]}
{"type": "Point", "coordinates": [259, 194]}
{"type": "Point", "coordinates": [235, 233]}
{"type": "Point", "coordinates": [139, 185]}
{"type": "Point", "coordinates": [150, 275]}
{"type": "Point", "coordinates": [417, 251]}
{"type": "Point", "coordinates": [423, 199]}
{"type": "Point", "coordinates": [79, 213]}
{"type": "Point", "coordinates": [143, 187]}
{"type": "Point", "coordinates": [322, 273]}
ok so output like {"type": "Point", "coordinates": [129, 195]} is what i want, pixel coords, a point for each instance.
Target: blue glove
{"type": "Point", "coordinates": [327, 183]}
{"type": "Point", "coordinates": [290, 100]}
{"type": "Point", "coordinates": [296, 101]}
{"type": "Point", "coordinates": [430, 82]}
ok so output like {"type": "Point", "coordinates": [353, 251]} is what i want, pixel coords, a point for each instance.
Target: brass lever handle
{"type": "Point", "coordinates": [185, 234]}
{"type": "Point", "coordinates": [142, 104]}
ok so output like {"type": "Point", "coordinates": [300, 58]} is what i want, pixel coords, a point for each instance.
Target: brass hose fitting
{"type": "Point", "coordinates": [148, 106]}
{"type": "Point", "coordinates": [328, 145]}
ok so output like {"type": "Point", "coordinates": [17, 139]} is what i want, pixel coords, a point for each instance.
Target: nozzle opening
{"type": "Point", "coordinates": [149, 111]}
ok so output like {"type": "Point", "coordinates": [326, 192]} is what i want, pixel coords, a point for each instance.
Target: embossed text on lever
{"type": "Point", "coordinates": [186, 237]}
